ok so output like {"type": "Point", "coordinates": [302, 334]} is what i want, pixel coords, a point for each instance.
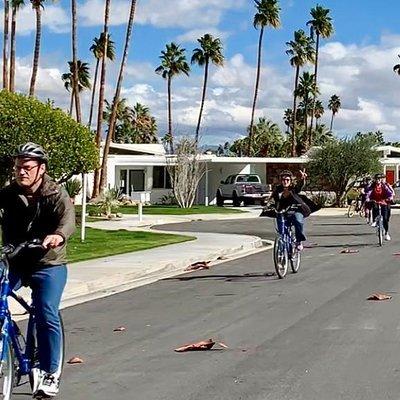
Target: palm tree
{"type": "Point", "coordinates": [306, 90]}
{"type": "Point", "coordinates": [111, 125]}
{"type": "Point", "coordinates": [16, 5]}
{"type": "Point", "coordinates": [301, 51]}
{"type": "Point", "coordinates": [321, 26]}
{"type": "Point", "coordinates": [145, 125]}
{"type": "Point", "coordinates": [396, 68]}
{"type": "Point", "coordinates": [319, 111]}
{"type": "Point", "coordinates": [75, 80]}
{"type": "Point", "coordinates": [83, 82]}
{"type": "Point", "coordinates": [97, 48]}
{"type": "Point", "coordinates": [210, 50]}
{"type": "Point", "coordinates": [322, 135]}
{"type": "Point", "coordinates": [37, 5]}
{"type": "Point", "coordinates": [287, 119]}
{"type": "Point", "coordinates": [267, 15]}
{"type": "Point", "coordinates": [334, 105]}
{"type": "Point", "coordinates": [173, 62]}
{"type": "Point", "coordinates": [5, 43]}
{"type": "Point", "coordinates": [100, 108]}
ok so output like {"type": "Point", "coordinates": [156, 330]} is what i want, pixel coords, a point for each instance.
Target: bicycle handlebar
{"type": "Point", "coordinates": [11, 250]}
{"type": "Point", "coordinates": [286, 210]}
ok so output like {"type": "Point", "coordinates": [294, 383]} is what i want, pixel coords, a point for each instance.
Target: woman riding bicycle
{"type": "Point", "coordinates": [380, 194]}
{"type": "Point", "coordinates": [286, 195]}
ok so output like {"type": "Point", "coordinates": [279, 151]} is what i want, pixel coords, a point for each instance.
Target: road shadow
{"type": "Point", "coordinates": [250, 277]}
{"type": "Point", "coordinates": [342, 234]}
{"type": "Point", "coordinates": [339, 224]}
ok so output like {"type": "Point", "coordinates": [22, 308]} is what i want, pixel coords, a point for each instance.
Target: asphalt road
{"type": "Point", "coordinates": [310, 336]}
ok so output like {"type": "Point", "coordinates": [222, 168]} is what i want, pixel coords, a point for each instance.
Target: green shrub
{"type": "Point", "coordinates": [73, 187]}
{"type": "Point", "coordinates": [70, 145]}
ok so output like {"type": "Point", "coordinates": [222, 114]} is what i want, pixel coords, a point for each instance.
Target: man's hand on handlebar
{"type": "Point", "coordinates": [52, 241]}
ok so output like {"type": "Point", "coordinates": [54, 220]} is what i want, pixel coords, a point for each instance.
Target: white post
{"type": "Point", "coordinates": [140, 211]}
{"type": "Point", "coordinates": [83, 216]}
{"type": "Point", "coordinates": [206, 191]}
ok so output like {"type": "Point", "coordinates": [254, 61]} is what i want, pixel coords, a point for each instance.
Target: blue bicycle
{"type": "Point", "coordinates": [285, 249]}
{"type": "Point", "coordinates": [18, 354]}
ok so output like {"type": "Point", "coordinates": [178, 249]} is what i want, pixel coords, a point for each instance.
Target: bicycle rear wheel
{"type": "Point", "coordinates": [280, 258]}
{"type": "Point", "coordinates": [7, 375]}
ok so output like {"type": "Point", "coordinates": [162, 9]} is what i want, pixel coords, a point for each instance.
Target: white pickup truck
{"type": "Point", "coordinates": [246, 188]}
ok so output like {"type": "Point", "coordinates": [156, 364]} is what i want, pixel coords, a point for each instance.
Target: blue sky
{"type": "Point", "coordinates": [356, 62]}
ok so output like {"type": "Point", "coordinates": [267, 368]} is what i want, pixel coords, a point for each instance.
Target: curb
{"type": "Point", "coordinates": [117, 283]}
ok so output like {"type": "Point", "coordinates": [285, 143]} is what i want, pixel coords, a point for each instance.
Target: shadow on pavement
{"type": "Point", "coordinates": [227, 278]}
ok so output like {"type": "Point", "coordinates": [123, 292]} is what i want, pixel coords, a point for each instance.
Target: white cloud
{"type": "Point", "coordinates": [194, 34]}
{"type": "Point", "coordinates": [178, 14]}
{"type": "Point", "coordinates": [54, 17]}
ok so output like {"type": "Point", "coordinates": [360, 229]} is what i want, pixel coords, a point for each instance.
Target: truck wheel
{"type": "Point", "coordinates": [220, 199]}
{"type": "Point", "coordinates": [236, 200]}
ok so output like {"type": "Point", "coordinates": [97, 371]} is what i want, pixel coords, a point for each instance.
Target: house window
{"type": "Point", "coordinates": [161, 178]}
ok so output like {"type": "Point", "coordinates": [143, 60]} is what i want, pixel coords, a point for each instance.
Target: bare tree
{"type": "Point", "coordinates": [186, 170]}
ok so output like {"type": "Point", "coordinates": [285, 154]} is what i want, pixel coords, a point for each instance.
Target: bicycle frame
{"type": "Point", "coordinates": [9, 329]}
{"type": "Point", "coordinates": [286, 235]}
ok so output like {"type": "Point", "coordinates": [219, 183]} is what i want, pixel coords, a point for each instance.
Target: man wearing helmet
{"type": "Point", "coordinates": [36, 207]}
{"type": "Point", "coordinates": [286, 194]}
{"type": "Point", "coordinates": [380, 193]}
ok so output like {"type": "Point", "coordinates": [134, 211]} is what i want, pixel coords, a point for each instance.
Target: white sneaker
{"type": "Point", "coordinates": [48, 386]}
{"type": "Point", "coordinates": [36, 377]}
{"type": "Point", "coordinates": [387, 237]}
{"type": "Point", "coordinates": [373, 224]}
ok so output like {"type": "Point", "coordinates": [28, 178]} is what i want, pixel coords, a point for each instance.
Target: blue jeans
{"type": "Point", "coordinates": [297, 220]}
{"type": "Point", "coordinates": [47, 286]}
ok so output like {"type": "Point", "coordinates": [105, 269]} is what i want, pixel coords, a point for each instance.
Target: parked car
{"type": "Point", "coordinates": [246, 188]}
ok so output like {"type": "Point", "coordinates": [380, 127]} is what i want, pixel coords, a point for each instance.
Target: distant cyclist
{"type": "Point", "coordinates": [286, 194]}
{"type": "Point", "coordinates": [363, 196]}
{"type": "Point", "coordinates": [380, 194]}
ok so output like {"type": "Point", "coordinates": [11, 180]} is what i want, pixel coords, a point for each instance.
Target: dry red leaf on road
{"type": "Point", "coordinates": [379, 297]}
{"type": "Point", "coordinates": [349, 251]}
{"type": "Point", "coordinates": [202, 345]}
{"type": "Point", "coordinates": [120, 329]}
{"type": "Point", "coordinates": [198, 265]}
{"type": "Point", "coordinates": [75, 360]}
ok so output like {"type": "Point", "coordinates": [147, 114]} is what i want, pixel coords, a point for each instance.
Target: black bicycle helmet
{"type": "Point", "coordinates": [31, 150]}
{"type": "Point", "coordinates": [379, 176]}
{"type": "Point", "coordinates": [286, 173]}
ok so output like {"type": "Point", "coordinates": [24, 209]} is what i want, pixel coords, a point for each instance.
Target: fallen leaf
{"type": "Point", "coordinates": [75, 360]}
{"type": "Point", "coordinates": [223, 258]}
{"type": "Point", "coordinates": [349, 251]}
{"type": "Point", "coordinates": [198, 266]}
{"type": "Point", "coordinates": [379, 297]}
{"type": "Point", "coordinates": [120, 329]}
{"type": "Point", "coordinates": [202, 345]}
{"type": "Point", "coordinates": [396, 254]}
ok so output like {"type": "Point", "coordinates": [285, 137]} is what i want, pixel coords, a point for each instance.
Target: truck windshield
{"type": "Point", "coordinates": [248, 178]}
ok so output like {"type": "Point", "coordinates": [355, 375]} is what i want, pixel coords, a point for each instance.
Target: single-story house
{"type": "Point", "coordinates": [136, 168]}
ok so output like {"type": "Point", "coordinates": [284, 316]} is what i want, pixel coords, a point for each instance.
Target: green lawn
{"type": "Point", "coordinates": [102, 243]}
{"type": "Point", "coordinates": [174, 210]}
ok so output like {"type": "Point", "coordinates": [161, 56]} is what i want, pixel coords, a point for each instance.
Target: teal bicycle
{"type": "Point", "coordinates": [18, 353]}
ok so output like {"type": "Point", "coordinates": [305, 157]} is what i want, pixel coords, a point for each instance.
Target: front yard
{"type": "Point", "coordinates": [102, 243]}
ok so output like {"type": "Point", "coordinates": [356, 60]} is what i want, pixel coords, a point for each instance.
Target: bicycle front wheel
{"type": "Point", "coordinates": [7, 375]}
{"type": "Point", "coordinates": [351, 209]}
{"type": "Point", "coordinates": [295, 259]}
{"type": "Point", "coordinates": [280, 258]}
{"type": "Point", "coordinates": [379, 231]}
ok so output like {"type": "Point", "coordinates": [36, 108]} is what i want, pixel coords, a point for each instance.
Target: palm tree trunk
{"type": "Point", "coordinates": [13, 46]}
{"type": "Point", "coordinates": [96, 183]}
{"type": "Point", "coordinates": [333, 114]}
{"type": "Point", "coordinates": [113, 116]}
{"type": "Point", "coordinates": [36, 52]}
{"type": "Point", "coordinates": [306, 125]}
{"type": "Point", "coordinates": [203, 97]}
{"type": "Point", "coordinates": [93, 93]}
{"type": "Point", "coordinates": [296, 82]}
{"type": "Point", "coordinates": [75, 77]}
{"type": "Point", "coordinates": [171, 138]}
{"type": "Point", "coordinates": [255, 90]}
{"type": "Point", "coordinates": [5, 43]}
{"type": "Point", "coordinates": [315, 84]}
{"type": "Point", "coordinates": [71, 103]}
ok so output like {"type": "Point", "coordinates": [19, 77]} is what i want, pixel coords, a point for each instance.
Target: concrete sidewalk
{"type": "Point", "coordinates": [88, 280]}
